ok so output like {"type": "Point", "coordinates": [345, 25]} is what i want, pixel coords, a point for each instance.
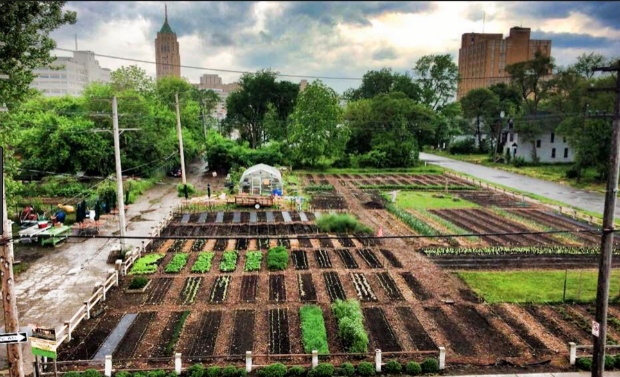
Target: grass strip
{"type": "Point", "coordinates": [313, 332]}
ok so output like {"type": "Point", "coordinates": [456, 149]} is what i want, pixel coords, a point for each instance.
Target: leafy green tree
{"type": "Point", "coordinates": [509, 99]}
{"type": "Point", "coordinates": [25, 28]}
{"type": "Point", "coordinates": [132, 78]}
{"type": "Point", "coordinates": [586, 63]}
{"type": "Point", "coordinates": [448, 122]}
{"type": "Point", "coordinates": [532, 79]}
{"type": "Point", "coordinates": [482, 106]}
{"type": "Point", "coordinates": [281, 107]}
{"type": "Point", "coordinates": [529, 131]}
{"type": "Point", "coordinates": [316, 130]}
{"type": "Point", "coordinates": [437, 76]}
{"type": "Point", "coordinates": [384, 81]}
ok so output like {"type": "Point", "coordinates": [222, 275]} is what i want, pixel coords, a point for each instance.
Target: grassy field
{"type": "Point", "coordinates": [553, 173]}
{"type": "Point", "coordinates": [430, 200]}
{"type": "Point", "coordinates": [537, 286]}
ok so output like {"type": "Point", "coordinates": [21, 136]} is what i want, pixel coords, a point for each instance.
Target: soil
{"type": "Point", "coordinates": [391, 258]}
{"type": "Point", "coordinates": [370, 258]}
{"type": "Point", "coordinates": [300, 260]}
{"type": "Point", "coordinates": [389, 286]}
{"type": "Point", "coordinates": [334, 286]}
{"type": "Point", "coordinates": [204, 342]}
{"type": "Point", "coordinates": [243, 332]}
{"type": "Point", "coordinates": [362, 287]}
{"type": "Point", "coordinates": [323, 259]}
{"type": "Point", "coordinates": [381, 333]}
{"type": "Point", "coordinates": [414, 329]}
{"type": "Point", "coordinates": [307, 291]}
{"type": "Point", "coordinates": [277, 289]}
{"type": "Point", "coordinates": [279, 342]}
{"type": "Point", "coordinates": [130, 342]}
{"type": "Point", "coordinates": [418, 290]}
{"type": "Point", "coordinates": [248, 288]}
{"type": "Point", "coordinates": [347, 258]}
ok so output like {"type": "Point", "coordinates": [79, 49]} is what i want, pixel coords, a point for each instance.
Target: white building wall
{"type": "Point", "coordinates": [544, 149]}
{"type": "Point", "coordinates": [73, 75]}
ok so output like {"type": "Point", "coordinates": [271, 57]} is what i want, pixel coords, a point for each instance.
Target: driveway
{"type": "Point", "coordinates": [585, 200]}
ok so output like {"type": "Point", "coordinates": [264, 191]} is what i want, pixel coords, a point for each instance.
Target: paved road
{"type": "Point", "coordinates": [586, 200]}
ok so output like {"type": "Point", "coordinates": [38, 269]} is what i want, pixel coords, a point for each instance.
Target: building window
{"type": "Point", "coordinates": [565, 152]}
{"type": "Point", "coordinates": [553, 153]}
{"type": "Point", "coordinates": [512, 137]}
{"type": "Point", "coordinates": [538, 143]}
{"type": "Point", "coordinates": [552, 137]}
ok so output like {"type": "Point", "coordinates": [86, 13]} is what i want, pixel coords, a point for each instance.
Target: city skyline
{"type": "Point", "coordinates": [328, 39]}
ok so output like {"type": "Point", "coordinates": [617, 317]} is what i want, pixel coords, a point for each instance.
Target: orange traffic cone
{"type": "Point", "coordinates": [380, 231]}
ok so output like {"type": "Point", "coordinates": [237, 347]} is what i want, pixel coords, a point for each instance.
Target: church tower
{"type": "Point", "coordinates": [167, 54]}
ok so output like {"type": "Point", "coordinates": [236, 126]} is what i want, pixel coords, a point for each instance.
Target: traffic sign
{"type": "Point", "coordinates": [16, 337]}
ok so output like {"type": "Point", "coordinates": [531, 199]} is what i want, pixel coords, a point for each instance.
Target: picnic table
{"type": "Point", "coordinates": [54, 235]}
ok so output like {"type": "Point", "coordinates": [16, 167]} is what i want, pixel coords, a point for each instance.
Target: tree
{"type": "Point", "coordinates": [437, 76]}
{"type": "Point", "coordinates": [25, 28]}
{"type": "Point", "coordinates": [509, 98]}
{"type": "Point", "coordinates": [384, 81]}
{"type": "Point", "coordinates": [532, 79]}
{"type": "Point", "coordinates": [482, 105]}
{"type": "Point", "coordinates": [132, 78]}
{"type": "Point", "coordinates": [316, 130]}
{"type": "Point", "coordinates": [282, 105]}
{"type": "Point", "coordinates": [529, 131]}
{"type": "Point", "coordinates": [586, 63]}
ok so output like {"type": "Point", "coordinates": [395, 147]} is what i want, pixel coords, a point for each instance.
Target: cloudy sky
{"type": "Point", "coordinates": [336, 39]}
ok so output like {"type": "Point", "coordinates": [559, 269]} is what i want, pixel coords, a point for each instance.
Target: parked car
{"type": "Point", "coordinates": [176, 172]}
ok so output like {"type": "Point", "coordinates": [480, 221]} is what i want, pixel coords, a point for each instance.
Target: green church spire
{"type": "Point", "coordinates": [166, 28]}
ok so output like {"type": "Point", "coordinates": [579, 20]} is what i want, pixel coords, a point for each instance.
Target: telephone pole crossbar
{"type": "Point", "coordinates": [602, 292]}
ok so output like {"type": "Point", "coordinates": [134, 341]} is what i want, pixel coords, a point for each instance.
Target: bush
{"type": "Point", "coordinates": [584, 363]}
{"type": "Point", "coordinates": [413, 368]}
{"type": "Point", "coordinates": [322, 370]}
{"type": "Point", "coordinates": [138, 282]}
{"type": "Point", "coordinates": [430, 366]}
{"type": "Point", "coordinates": [617, 361]}
{"type": "Point", "coordinates": [273, 370]}
{"type": "Point", "coordinates": [366, 369]}
{"type": "Point", "coordinates": [241, 372]}
{"type": "Point", "coordinates": [296, 371]}
{"type": "Point", "coordinates": [466, 146]}
{"type": "Point", "coordinates": [572, 173]}
{"type": "Point", "coordinates": [393, 367]}
{"type": "Point", "coordinates": [191, 190]}
{"type": "Point", "coordinates": [351, 325]}
{"type": "Point", "coordinates": [91, 373]}
{"type": "Point", "coordinates": [229, 371]}
{"type": "Point", "coordinates": [277, 258]}
{"type": "Point", "coordinates": [609, 362]}
{"type": "Point", "coordinates": [156, 373]}
{"type": "Point", "coordinates": [313, 333]}
{"type": "Point", "coordinates": [77, 374]}
{"type": "Point", "coordinates": [214, 371]}
{"type": "Point", "coordinates": [372, 159]}
{"type": "Point", "coordinates": [347, 369]}
{"type": "Point", "coordinates": [519, 162]}
{"type": "Point", "coordinates": [341, 223]}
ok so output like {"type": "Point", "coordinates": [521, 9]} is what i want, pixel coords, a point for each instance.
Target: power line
{"type": "Point", "coordinates": [213, 69]}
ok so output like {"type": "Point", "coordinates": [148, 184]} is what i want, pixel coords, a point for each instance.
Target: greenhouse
{"type": "Point", "coordinates": [261, 179]}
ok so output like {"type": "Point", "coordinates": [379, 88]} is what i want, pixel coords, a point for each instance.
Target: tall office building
{"type": "Point", "coordinates": [484, 57]}
{"type": "Point", "coordinates": [69, 75]}
{"type": "Point", "coordinates": [167, 54]}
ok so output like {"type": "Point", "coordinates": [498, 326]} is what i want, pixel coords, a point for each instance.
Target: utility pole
{"type": "Point", "coordinates": [183, 177]}
{"type": "Point", "coordinates": [9, 300]}
{"type": "Point", "coordinates": [119, 173]}
{"type": "Point", "coordinates": [602, 291]}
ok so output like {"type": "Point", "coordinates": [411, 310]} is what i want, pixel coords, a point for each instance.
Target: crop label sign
{"type": "Point", "coordinates": [43, 342]}
{"type": "Point", "coordinates": [595, 328]}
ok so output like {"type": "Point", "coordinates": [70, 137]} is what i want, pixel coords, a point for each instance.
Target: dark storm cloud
{"type": "Point", "coordinates": [606, 12]}
{"type": "Point", "coordinates": [572, 40]}
{"type": "Point", "coordinates": [385, 53]}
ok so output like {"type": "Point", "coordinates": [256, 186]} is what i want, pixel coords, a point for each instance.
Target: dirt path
{"type": "Point", "coordinates": [56, 285]}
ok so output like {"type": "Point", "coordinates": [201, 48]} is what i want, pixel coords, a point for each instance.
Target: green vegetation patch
{"type": "Point", "coordinates": [175, 335]}
{"type": "Point", "coordinates": [146, 264]}
{"type": "Point", "coordinates": [253, 260]}
{"type": "Point", "coordinates": [203, 262]}
{"type": "Point", "coordinates": [229, 261]}
{"type": "Point", "coordinates": [277, 259]}
{"type": "Point", "coordinates": [431, 200]}
{"type": "Point", "coordinates": [351, 325]}
{"type": "Point", "coordinates": [536, 286]}
{"type": "Point", "coordinates": [177, 263]}
{"type": "Point", "coordinates": [313, 332]}
{"type": "Point", "coordinates": [313, 188]}
{"type": "Point", "coordinates": [417, 187]}
{"type": "Point", "coordinates": [341, 223]}
{"type": "Point", "coordinates": [138, 282]}
{"type": "Point", "coordinates": [501, 250]}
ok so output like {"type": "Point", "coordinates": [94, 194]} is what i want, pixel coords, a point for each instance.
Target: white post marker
{"type": "Point", "coordinates": [108, 366]}
{"type": "Point", "coordinates": [442, 358]}
{"type": "Point", "coordinates": [315, 358]}
{"type": "Point", "coordinates": [248, 361]}
{"type": "Point", "coordinates": [573, 352]}
{"type": "Point", "coordinates": [378, 360]}
{"type": "Point", "coordinates": [177, 363]}
{"type": "Point", "coordinates": [595, 328]}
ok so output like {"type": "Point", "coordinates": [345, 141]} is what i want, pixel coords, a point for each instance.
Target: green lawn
{"type": "Point", "coordinates": [427, 200]}
{"type": "Point", "coordinates": [554, 173]}
{"type": "Point", "coordinates": [536, 286]}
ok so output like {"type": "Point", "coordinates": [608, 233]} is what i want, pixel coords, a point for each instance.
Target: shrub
{"type": "Point", "coordinates": [253, 260]}
{"type": "Point", "coordinates": [229, 371]}
{"type": "Point", "coordinates": [393, 367]}
{"type": "Point", "coordinates": [617, 361]}
{"type": "Point", "coordinates": [347, 369]}
{"type": "Point", "coordinates": [572, 173]}
{"type": "Point", "coordinates": [323, 370]}
{"type": "Point", "coordinates": [156, 373]}
{"type": "Point", "coordinates": [519, 162]}
{"type": "Point", "coordinates": [77, 374]}
{"type": "Point", "coordinates": [241, 372]}
{"type": "Point", "coordinates": [466, 146]}
{"type": "Point", "coordinates": [430, 366]}
{"type": "Point", "coordinates": [229, 261]}
{"type": "Point", "coordinates": [351, 325]}
{"type": "Point", "coordinates": [273, 370]}
{"type": "Point", "coordinates": [341, 223]}
{"type": "Point", "coordinates": [214, 371]}
{"type": "Point", "coordinates": [609, 362]}
{"type": "Point", "coordinates": [584, 363]}
{"type": "Point", "coordinates": [366, 369]}
{"type": "Point", "coordinates": [413, 368]}
{"type": "Point", "coordinates": [177, 263]}
{"type": "Point", "coordinates": [277, 258]}
{"type": "Point", "coordinates": [91, 373]}
{"type": "Point", "coordinates": [313, 333]}
{"type": "Point", "coordinates": [191, 190]}
{"type": "Point", "coordinates": [296, 371]}
{"type": "Point", "coordinates": [138, 282]}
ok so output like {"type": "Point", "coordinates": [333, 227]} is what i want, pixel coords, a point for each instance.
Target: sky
{"type": "Point", "coordinates": [334, 39]}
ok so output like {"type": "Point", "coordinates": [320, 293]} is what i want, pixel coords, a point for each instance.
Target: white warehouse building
{"type": "Point", "coordinates": [71, 76]}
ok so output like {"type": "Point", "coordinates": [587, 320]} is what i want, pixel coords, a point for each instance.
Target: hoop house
{"type": "Point", "coordinates": [261, 179]}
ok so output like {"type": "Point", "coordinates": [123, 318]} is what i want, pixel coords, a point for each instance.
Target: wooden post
{"type": "Point", "coordinates": [68, 324]}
